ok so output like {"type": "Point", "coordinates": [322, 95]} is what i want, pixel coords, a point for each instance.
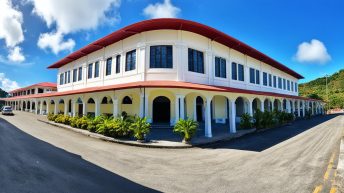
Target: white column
{"type": "Point", "coordinates": [115, 107]}
{"type": "Point", "coordinates": [142, 105]}
{"type": "Point", "coordinates": [66, 107]}
{"type": "Point", "coordinates": [47, 108]}
{"type": "Point", "coordinates": [262, 106]}
{"type": "Point", "coordinates": [288, 106]}
{"type": "Point", "coordinates": [41, 108]}
{"type": "Point", "coordinates": [272, 105]}
{"type": "Point", "coordinates": [73, 108]}
{"type": "Point", "coordinates": [208, 118]}
{"type": "Point", "coordinates": [176, 109]}
{"type": "Point", "coordinates": [293, 105]}
{"type": "Point", "coordinates": [232, 109]}
{"type": "Point", "coordinates": [303, 108]}
{"type": "Point", "coordinates": [97, 107]}
{"type": "Point", "coordinates": [298, 108]}
{"type": "Point", "coordinates": [15, 105]}
{"type": "Point", "coordinates": [250, 109]}
{"type": "Point", "coordinates": [55, 107]}
{"type": "Point", "coordinates": [30, 108]}
{"type": "Point", "coordinates": [182, 108]}
{"type": "Point", "coordinates": [195, 109]}
{"type": "Point", "coordinates": [84, 113]}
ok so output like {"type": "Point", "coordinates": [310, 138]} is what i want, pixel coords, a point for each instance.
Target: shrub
{"type": "Point", "coordinates": [120, 128]}
{"type": "Point", "coordinates": [140, 128]}
{"type": "Point", "coordinates": [64, 119]}
{"type": "Point", "coordinates": [51, 117]}
{"type": "Point", "coordinates": [82, 122]}
{"type": "Point", "coordinates": [268, 119]}
{"type": "Point", "coordinates": [258, 119]}
{"type": "Point", "coordinates": [245, 121]}
{"type": "Point", "coordinates": [186, 128]}
{"type": "Point", "coordinates": [93, 122]}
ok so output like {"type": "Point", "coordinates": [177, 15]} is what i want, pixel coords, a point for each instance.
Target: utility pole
{"type": "Point", "coordinates": [328, 102]}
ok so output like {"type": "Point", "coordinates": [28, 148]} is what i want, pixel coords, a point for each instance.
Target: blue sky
{"type": "Point", "coordinates": [306, 36]}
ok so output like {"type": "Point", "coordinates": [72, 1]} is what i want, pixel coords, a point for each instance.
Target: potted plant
{"type": "Point", "coordinates": [140, 128]}
{"type": "Point", "coordinates": [186, 128]}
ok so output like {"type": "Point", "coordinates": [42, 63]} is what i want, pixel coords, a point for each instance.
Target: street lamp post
{"type": "Point", "coordinates": [328, 102]}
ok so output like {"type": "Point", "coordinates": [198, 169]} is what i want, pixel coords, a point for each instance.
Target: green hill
{"type": "Point", "coordinates": [2, 95]}
{"type": "Point", "coordinates": [317, 89]}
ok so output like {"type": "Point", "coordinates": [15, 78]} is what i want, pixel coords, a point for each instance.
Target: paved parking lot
{"type": "Point", "coordinates": [36, 157]}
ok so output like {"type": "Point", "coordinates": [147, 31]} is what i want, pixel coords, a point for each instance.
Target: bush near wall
{"type": "Point", "coordinates": [117, 127]}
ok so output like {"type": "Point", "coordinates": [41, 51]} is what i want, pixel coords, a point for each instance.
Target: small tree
{"type": "Point", "coordinates": [245, 121]}
{"type": "Point", "coordinates": [140, 128]}
{"type": "Point", "coordinates": [186, 128]}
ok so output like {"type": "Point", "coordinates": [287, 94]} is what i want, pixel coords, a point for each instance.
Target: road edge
{"type": "Point", "coordinates": [339, 180]}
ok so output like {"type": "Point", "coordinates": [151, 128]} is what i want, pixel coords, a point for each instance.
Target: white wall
{"type": "Point", "coordinates": [181, 41]}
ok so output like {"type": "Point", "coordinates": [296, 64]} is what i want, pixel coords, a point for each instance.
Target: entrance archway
{"type": "Point", "coordinates": [161, 110]}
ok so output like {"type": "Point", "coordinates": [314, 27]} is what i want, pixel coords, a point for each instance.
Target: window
{"type": "Point", "coordinates": [65, 78]}
{"type": "Point", "coordinates": [75, 71]}
{"type": "Point", "coordinates": [265, 79]}
{"type": "Point", "coordinates": [108, 66]}
{"type": "Point", "coordinates": [279, 82]}
{"type": "Point", "coordinates": [284, 84]}
{"type": "Point", "coordinates": [288, 85]}
{"type": "Point", "coordinates": [270, 80]}
{"type": "Point", "coordinates": [241, 72]}
{"type": "Point", "coordinates": [234, 71]}
{"type": "Point", "coordinates": [275, 82]}
{"type": "Point", "coordinates": [68, 75]}
{"type": "Point", "coordinates": [292, 85]}
{"type": "Point", "coordinates": [196, 63]}
{"type": "Point", "coordinates": [160, 57]}
{"type": "Point", "coordinates": [252, 74]}
{"type": "Point", "coordinates": [61, 79]}
{"type": "Point", "coordinates": [130, 63]}
{"type": "Point", "coordinates": [80, 74]}
{"type": "Point", "coordinates": [118, 64]}
{"type": "Point", "coordinates": [127, 100]}
{"type": "Point", "coordinates": [90, 68]}
{"type": "Point", "coordinates": [257, 77]}
{"type": "Point", "coordinates": [220, 67]}
{"type": "Point", "coordinates": [96, 69]}
{"type": "Point", "coordinates": [296, 87]}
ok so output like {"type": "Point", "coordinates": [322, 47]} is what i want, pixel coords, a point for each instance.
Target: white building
{"type": "Point", "coordinates": [167, 69]}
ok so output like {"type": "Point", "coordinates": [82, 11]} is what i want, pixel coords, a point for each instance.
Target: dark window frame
{"type": "Point", "coordinates": [108, 66]}
{"type": "Point", "coordinates": [118, 64]}
{"type": "Point", "coordinates": [234, 71]}
{"type": "Point", "coordinates": [220, 67]}
{"type": "Point", "coordinates": [161, 56]}
{"type": "Point", "coordinates": [195, 61]}
{"type": "Point", "coordinates": [265, 79]}
{"type": "Point", "coordinates": [241, 72]}
{"type": "Point", "coordinates": [130, 60]}
{"type": "Point", "coordinates": [90, 71]}
{"type": "Point", "coordinates": [80, 73]}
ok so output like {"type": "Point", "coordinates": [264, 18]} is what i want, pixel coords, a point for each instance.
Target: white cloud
{"type": "Point", "coordinates": [55, 42]}
{"type": "Point", "coordinates": [161, 10]}
{"type": "Point", "coordinates": [312, 52]}
{"type": "Point", "coordinates": [11, 31]}
{"type": "Point", "coordinates": [7, 84]}
{"type": "Point", "coordinates": [16, 55]}
{"type": "Point", "coordinates": [71, 16]}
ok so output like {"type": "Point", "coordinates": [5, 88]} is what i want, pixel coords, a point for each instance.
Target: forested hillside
{"type": "Point", "coordinates": [317, 89]}
{"type": "Point", "coordinates": [2, 95]}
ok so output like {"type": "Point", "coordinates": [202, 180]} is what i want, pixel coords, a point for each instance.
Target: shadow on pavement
{"type": "Point", "coordinates": [28, 164]}
{"type": "Point", "coordinates": [259, 141]}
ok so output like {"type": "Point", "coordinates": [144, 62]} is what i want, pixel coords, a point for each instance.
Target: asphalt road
{"type": "Point", "coordinates": [36, 157]}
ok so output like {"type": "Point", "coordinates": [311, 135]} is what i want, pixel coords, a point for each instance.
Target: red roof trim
{"type": "Point", "coordinates": [158, 84]}
{"type": "Point", "coordinates": [42, 84]}
{"type": "Point", "coordinates": [175, 24]}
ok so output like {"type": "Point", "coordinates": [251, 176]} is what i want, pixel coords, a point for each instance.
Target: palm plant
{"type": "Point", "coordinates": [186, 128]}
{"type": "Point", "coordinates": [140, 128]}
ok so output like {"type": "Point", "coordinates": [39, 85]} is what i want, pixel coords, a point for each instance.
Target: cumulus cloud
{"type": "Point", "coordinates": [312, 52]}
{"type": "Point", "coordinates": [7, 84]}
{"type": "Point", "coordinates": [161, 10]}
{"type": "Point", "coordinates": [72, 16]}
{"type": "Point", "coordinates": [11, 21]}
{"type": "Point", "coordinates": [16, 55]}
{"type": "Point", "coordinates": [55, 42]}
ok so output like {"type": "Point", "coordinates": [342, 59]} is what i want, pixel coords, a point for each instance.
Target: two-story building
{"type": "Point", "coordinates": [171, 69]}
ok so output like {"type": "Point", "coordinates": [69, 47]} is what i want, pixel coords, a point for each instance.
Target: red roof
{"type": "Point", "coordinates": [42, 84]}
{"type": "Point", "coordinates": [174, 24]}
{"type": "Point", "coordinates": [157, 84]}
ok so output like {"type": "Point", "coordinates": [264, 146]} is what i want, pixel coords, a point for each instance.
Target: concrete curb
{"type": "Point", "coordinates": [150, 144]}
{"type": "Point", "coordinates": [339, 181]}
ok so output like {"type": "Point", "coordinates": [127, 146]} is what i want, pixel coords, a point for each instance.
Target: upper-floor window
{"type": "Point", "coordinates": [234, 71]}
{"type": "Point", "coordinates": [196, 61]}
{"type": "Point", "coordinates": [130, 62]}
{"type": "Point", "coordinates": [279, 82]}
{"type": "Point", "coordinates": [254, 76]}
{"type": "Point", "coordinates": [61, 79]}
{"type": "Point", "coordinates": [161, 57]}
{"type": "Point", "coordinates": [80, 74]}
{"type": "Point", "coordinates": [96, 69]}
{"type": "Point", "coordinates": [90, 70]}
{"type": "Point", "coordinates": [118, 64]}
{"type": "Point", "coordinates": [296, 87]}
{"type": "Point", "coordinates": [265, 79]}
{"type": "Point", "coordinates": [284, 84]}
{"type": "Point", "coordinates": [68, 76]}
{"type": "Point", "coordinates": [275, 82]}
{"type": "Point", "coordinates": [241, 72]}
{"type": "Point", "coordinates": [108, 66]}
{"type": "Point", "coordinates": [270, 80]}
{"type": "Point", "coordinates": [220, 67]}
{"type": "Point", "coordinates": [292, 85]}
{"type": "Point", "coordinates": [288, 85]}
{"type": "Point", "coordinates": [75, 71]}
{"type": "Point", "coordinates": [65, 78]}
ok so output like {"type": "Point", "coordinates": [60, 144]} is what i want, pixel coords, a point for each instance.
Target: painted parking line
{"type": "Point", "coordinates": [326, 176]}
{"type": "Point", "coordinates": [317, 189]}
{"type": "Point", "coordinates": [329, 167]}
{"type": "Point", "coordinates": [333, 190]}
